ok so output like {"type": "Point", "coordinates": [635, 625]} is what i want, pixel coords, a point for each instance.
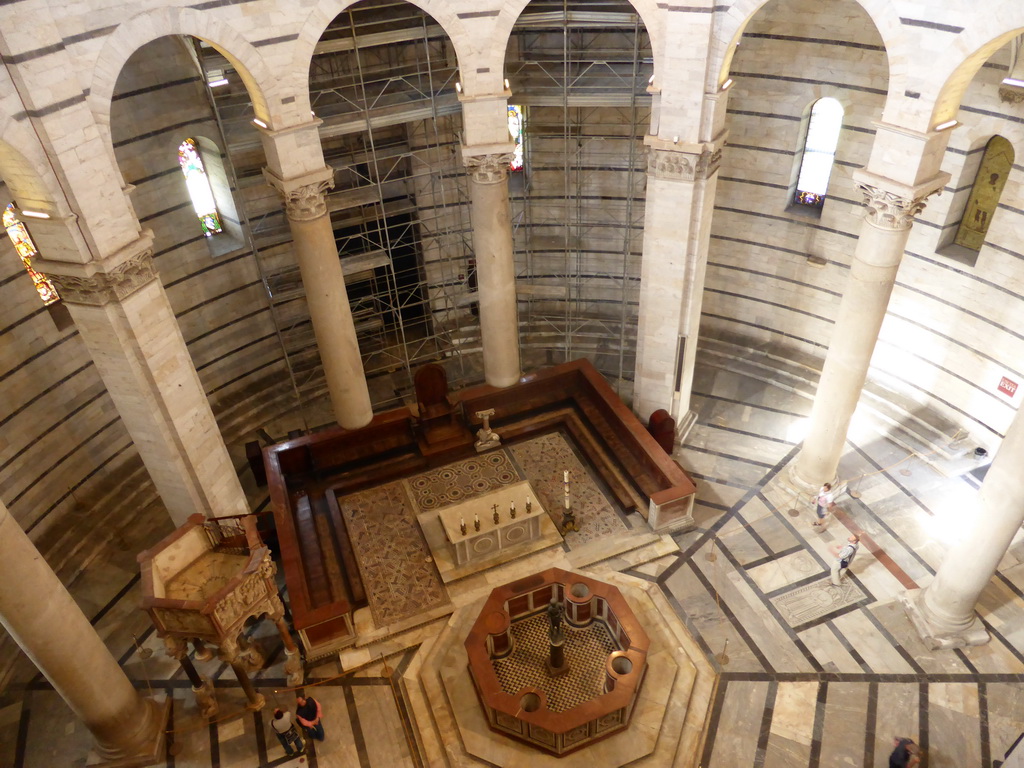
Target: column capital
{"type": "Point", "coordinates": [489, 168]}
{"type": "Point", "coordinates": [892, 206]}
{"type": "Point", "coordinates": [305, 197]}
{"type": "Point", "coordinates": [113, 279]}
{"type": "Point", "coordinates": [681, 165]}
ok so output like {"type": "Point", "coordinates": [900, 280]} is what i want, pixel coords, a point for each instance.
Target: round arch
{"type": "Point", "coordinates": [325, 11]}
{"type": "Point", "coordinates": [511, 10]}
{"type": "Point", "coordinates": [734, 22]}
{"type": "Point", "coordinates": [145, 27]}
{"type": "Point", "coordinates": [944, 86]}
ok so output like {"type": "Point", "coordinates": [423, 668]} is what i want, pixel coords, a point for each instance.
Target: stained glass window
{"type": "Point", "coordinates": [819, 152]}
{"type": "Point", "coordinates": [199, 187]}
{"type": "Point", "coordinates": [516, 123]}
{"type": "Point", "coordinates": [27, 251]}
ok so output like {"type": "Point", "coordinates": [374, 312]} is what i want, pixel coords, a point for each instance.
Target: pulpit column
{"type": "Point", "coordinates": [496, 280]}
{"type": "Point", "coordinates": [51, 629]}
{"type": "Point", "coordinates": [888, 217]}
{"type": "Point", "coordinates": [126, 322]}
{"type": "Point", "coordinates": [305, 199]}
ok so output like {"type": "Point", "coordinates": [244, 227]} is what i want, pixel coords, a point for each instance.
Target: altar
{"type": "Point", "coordinates": [459, 554]}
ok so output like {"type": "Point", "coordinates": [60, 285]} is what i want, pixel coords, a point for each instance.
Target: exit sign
{"type": "Point", "coordinates": [1008, 386]}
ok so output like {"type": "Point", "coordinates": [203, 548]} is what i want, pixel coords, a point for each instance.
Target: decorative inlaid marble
{"type": "Point", "coordinates": [397, 569]}
{"type": "Point", "coordinates": [462, 480]}
{"type": "Point", "coordinates": [543, 459]}
{"type": "Point", "coordinates": [812, 601]}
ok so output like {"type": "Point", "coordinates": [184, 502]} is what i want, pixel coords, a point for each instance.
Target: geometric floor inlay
{"type": "Point", "coordinates": [543, 460]}
{"type": "Point", "coordinates": [586, 652]}
{"type": "Point", "coordinates": [462, 480]}
{"type": "Point", "coordinates": [812, 601]}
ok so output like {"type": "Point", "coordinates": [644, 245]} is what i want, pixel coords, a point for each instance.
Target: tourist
{"type": "Point", "coordinates": [309, 714]}
{"type": "Point", "coordinates": [284, 726]}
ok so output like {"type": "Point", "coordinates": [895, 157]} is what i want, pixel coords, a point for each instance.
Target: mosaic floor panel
{"type": "Point", "coordinates": [586, 651]}
{"type": "Point", "coordinates": [543, 459]}
{"type": "Point", "coordinates": [395, 563]}
{"type": "Point", "coordinates": [462, 480]}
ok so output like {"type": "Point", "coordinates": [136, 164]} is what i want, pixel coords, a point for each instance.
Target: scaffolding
{"type": "Point", "coordinates": [580, 72]}
{"type": "Point", "coordinates": [382, 80]}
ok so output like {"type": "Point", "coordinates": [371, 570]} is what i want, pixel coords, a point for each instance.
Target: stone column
{"type": "Point", "coordinates": [305, 199]}
{"type": "Point", "coordinates": [126, 322]}
{"type": "Point", "coordinates": [943, 612]}
{"type": "Point", "coordinates": [889, 213]}
{"type": "Point", "coordinates": [681, 182]}
{"type": "Point", "coordinates": [496, 280]}
{"type": "Point", "coordinates": [50, 628]}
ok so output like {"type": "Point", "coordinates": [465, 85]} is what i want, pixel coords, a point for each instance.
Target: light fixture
{"type": "Point", "coordinates": [218, 82]}
{"type": "Point", "coordinates": [507, 86]}
{"type": "Point", "coordinates": [651, 81]}
{"type": "Point", "coordinates": [34, 214]}
{"type": "Point", "coordinates": [726, 85]}
{"type": "Point", "coordinates": [675, 139]}
{"type": "Point", "coordinates": [259, 122]}
{"type": "Point", "coordinates": [458, 87]}
{"type": "Point", "coordinates": [1013, 81]}
{"type": "Point", "coordinates": [945, 125]}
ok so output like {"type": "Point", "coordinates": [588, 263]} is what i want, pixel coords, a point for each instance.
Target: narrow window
{"type": "Point", "coordinates": [516, 123]}
{"type": "Point", "coordinates": [988, 188]}
{"type": "Point", "coordinates": [199, 187]}
{"type": "Point", "coordinates": [27, 251]}
{"type": "Point", "coordinates": [819, 153]}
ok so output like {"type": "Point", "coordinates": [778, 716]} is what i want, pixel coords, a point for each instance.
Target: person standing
{"type": "Point", "coordinates": [824, 502]}
{"type": "Point", "coordinates": [844, 556]}
{"type": "Point", "coordinates": [284, 726]}
{"type": "Point", "coordinates": [906, 753]}
{"type": "Point", "coordinates": [310, 716]}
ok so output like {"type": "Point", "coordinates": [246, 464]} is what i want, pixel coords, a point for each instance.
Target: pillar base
{"type": "Point", "coordinates": [791, 479]}
{"type": "Point", "coordinates": [938, 638]}
{"type": "Point", "coordinates": [155, 751]}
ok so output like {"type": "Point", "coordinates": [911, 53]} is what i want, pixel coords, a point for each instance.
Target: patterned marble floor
{"type": "Point", "coordinates": [811, 676]}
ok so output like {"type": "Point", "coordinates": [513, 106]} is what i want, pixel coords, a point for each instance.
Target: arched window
{"type": "Point", "coordinates": [27, 251]}
{"type": "Point", "coordinates": [995, 166]}
{"type": "Point", "coordinates": [516, 125]}
{"type": "Point", "coordinates": [819, 153]}
{"type": "Point", "coordinates": [199, 187]}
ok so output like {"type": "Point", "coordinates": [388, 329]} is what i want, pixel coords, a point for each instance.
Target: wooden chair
{"type": "Point", "coordinates": [663, 428]}
{"type": "Point", "coordinates": [438, 415]}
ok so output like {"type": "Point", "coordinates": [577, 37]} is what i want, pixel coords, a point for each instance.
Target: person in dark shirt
{"type": "Point", "coordinates": [309, 714]}
{"type": "Point", "coordinates": [906, 753]}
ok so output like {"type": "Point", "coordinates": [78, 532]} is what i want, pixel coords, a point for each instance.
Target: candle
{"type": "Point", "coordinates": [565, 476]}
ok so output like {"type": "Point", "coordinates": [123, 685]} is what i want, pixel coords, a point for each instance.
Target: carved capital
{"type": "Point", "coordinates": [488, 169]}
{"type": "Point", "coordinates": [888, 210]}
{"type": "Point", "coordinates": [106, 287]}
{"type": "Point", "coordinates": [682, 166]}
{"type": "Point", "coordinates": [308, 201]}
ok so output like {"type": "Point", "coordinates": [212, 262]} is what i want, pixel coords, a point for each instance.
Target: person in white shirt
{"type": "Point", "coordinates": [844, 556]}
{"type": "Point", "coordinates": [824, 503]}
{"type": "Point", "coordinates": [284, 726]}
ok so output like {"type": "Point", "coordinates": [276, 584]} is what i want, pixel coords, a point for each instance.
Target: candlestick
{"type": "Point", "coordinates": [512, 509]}
{"type": "Point", "coordinates": [496, 518]}
{"type": "Point", "coordinates": [565, 476]}
{"type": "Point", "coordinates": [462, 526]}
{"type": "Point", "coordinates": [476, 522]}
{"type": "Point", "coordinates": [529, 505]}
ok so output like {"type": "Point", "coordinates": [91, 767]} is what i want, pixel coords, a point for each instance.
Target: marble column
{"type": "Point", "coordinates": [943, 612]}
{"type": "Point", "coordinates": [887, 221]}
{"type": "Point", "coordinates": [496, 280]}
{"type": "Point", "coordinates": [681, 182]}
{"type": "Point", "coordinates": [126, 322]}
{"type": "Point", "coordinates": [305, 199]}
{"type": "Point", "coordinates": [50, 628]}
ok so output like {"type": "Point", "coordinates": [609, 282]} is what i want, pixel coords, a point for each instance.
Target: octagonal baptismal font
{"type": "Point", "coordinates": [553, 688]}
